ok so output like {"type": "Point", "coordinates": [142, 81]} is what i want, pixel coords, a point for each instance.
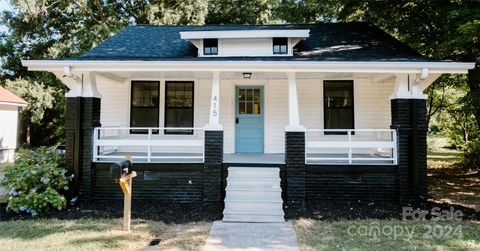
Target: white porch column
{"type": "Point", "coordinates": [293, 112]}
{"type": "Point", "coordinates": [214, 120]}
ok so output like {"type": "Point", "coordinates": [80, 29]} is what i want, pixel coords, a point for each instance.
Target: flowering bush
{"type": "Point", "coordinates": [35, 181]}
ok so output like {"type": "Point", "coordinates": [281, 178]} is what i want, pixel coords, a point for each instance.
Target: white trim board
{"type": "Point", "coordinates": [289, 33]}
{"type": "Point", "coordinates": [251, 66]}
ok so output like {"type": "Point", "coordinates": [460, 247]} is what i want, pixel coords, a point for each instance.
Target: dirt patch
{"type": "Point", "coordinates": [354, 210]}
{"type": "Point", "coordinates": [449, 182]}
{"type": "Point", "coordinates": [147, 210]}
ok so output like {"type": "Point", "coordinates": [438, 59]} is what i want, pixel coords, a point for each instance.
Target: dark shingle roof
{"type": "Point", "coordinates": [335, 41]}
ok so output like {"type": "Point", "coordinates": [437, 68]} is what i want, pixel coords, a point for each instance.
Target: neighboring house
{"type": "Point", "coordinates": [337, 109]}
{"type": "Point", "coordinates": [9, 108]}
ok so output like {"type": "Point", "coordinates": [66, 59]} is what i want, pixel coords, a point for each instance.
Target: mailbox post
{"type": "Point", "coordinates": [123, 174]}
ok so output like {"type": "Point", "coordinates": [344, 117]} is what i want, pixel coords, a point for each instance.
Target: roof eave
{"type": "Point", "coordinates": [13, 104]}
{"type": "Point", "coordinates": [251, 66]}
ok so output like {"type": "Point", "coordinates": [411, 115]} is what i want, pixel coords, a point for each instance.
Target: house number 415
{"type": "Point", "coordinates": [214, 111]}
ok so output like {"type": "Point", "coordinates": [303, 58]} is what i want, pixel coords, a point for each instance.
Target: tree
{"type": "Point", "coordinates": [39, 29]}
{"type": "Point", "coordinates": [439, 29]}
{"type": "Point", "coordinates": [240, 11]}
{"type": "Point", "coordinates": [39, 98]}
{"type": "Point", "coordinates": [307, 11]}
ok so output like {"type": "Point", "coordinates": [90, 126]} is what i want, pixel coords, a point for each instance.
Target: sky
{"type": "Point", "coordinates": [4, 5]}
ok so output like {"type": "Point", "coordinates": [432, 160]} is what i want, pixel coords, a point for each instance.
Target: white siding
{"type": "Point", "coordinates": [276, 117]}
{"type": "Point", "coordinates": [231, 47]}
{"type": "Point", "coordinates": [310, 102]}
{"type": "Point", "coordinates": [227, 114]}
{"type": "Point", "coordinates": [8, 132]}
{"type": "Point", "coordinates": [115, 106]}
{"type": "Point", "coordinates": [372, 106]}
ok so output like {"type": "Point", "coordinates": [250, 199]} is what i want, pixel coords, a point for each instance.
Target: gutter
{"type": "Point", "coordinates": [13, 104]}
{"type": "Point", "coordinates": [251, 66]}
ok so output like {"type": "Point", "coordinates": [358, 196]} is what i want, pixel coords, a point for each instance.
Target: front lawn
{"type": "Point", "coordinates": [324, 227]}
{"type": "Point", "coordinates": [363, 235]}
{"type": "Point", "coordinates": [100, 234]}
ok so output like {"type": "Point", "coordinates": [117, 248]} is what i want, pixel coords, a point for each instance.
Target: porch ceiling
{"type": "Point", "coordinates": [237, 75]}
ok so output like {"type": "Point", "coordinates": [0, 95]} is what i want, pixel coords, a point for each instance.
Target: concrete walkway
{"type": "Point", "coordinates": [251, 237]}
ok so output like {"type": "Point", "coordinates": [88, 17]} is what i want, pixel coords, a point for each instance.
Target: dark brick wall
{"type": "Point", "coordinates": [212, 172]}
{"type": "Point", "coordinates": [90, 120]}
{"type": "Point", "coordinates": [72, 133]}
{"type": "Point", "coordinates": [419, 152]}
{"type": "Point", "coordinates": [82, 116]}
{"type": "Point", "coordinates": [181, 183]}
{"type": "Point", "coordinates": [401, 121]}
{"type": "Point", "coordinates": [351, 182]}
{"type": "Point", "coordinates": [295, 166]}
{"type": "Point", "coordinates": [409, 119]}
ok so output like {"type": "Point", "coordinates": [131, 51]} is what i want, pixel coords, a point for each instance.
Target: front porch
{"type": "Point", "coordinates": [195, 133]}
{"type": "Point", "coordinates": [322, 146]}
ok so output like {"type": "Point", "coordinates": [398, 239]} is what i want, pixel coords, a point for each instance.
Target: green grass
{"type": "Point", "coordinates": [444, 155]}
{"type": "Point", "coordinates": [99, 234]}
{"type": "Point", "coordinates": [350, 235]}
{"type": "Point", "coordinates": [438, 150]}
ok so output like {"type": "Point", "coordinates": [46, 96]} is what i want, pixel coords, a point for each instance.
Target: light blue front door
{"type": "Point", "coordinates": [249, 120]}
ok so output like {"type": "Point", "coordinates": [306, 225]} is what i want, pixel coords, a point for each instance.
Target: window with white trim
{"type": "Point", "coordinates": [144, 105]}
{"type": "Point", "coordinates": [338, 105]}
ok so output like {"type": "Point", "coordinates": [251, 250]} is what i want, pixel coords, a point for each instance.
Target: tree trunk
{"type": "Point", "coordinates": [474, 86]}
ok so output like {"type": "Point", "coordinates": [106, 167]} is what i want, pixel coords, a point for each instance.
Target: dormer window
{"type": "Point", "coordinates": [210, 47]}
{"type": "Point", "coordinates": [261, 42]}
{"type": "Point", "coordinates": [280, 45]}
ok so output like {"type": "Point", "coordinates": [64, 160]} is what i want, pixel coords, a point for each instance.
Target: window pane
{"type": "Point", "coordinates": [249, 94]}
{"type": "Point", "coordinates": [179, 108]}
{"type": "Point", "coordinates": [280, 45]}
{"type": "Point", "coordinates": [256, 108]}
{"type": "Point", "coordinates": [256, 95]}
{"type": "Point", "coordinates": [249, 105]}
{"type": "Point", "coordinates": [241, 107]}
{"type": "Point", "coordinates": [338, 105]}
{"type": "Point", "coordinates": [210, 46]}
{"type": "Point", "coordinates": [144, 110]}
{"type": "Point", "coordinates": [241, 95]}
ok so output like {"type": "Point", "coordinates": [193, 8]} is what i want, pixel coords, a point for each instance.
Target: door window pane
{"type": "Point", "coordinates": [249, 101]}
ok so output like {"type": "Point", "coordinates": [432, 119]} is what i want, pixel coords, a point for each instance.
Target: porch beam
{"type": "Point", "coordinates": [89, 85]}
{"type": "Point", "coordinates": [293, 112]}
{"type": "Point", "coordinates": [214, 120]}
{"type": "Point", "coordinates": [110, 77]}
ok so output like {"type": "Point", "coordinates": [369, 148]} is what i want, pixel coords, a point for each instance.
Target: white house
{"type": "Point", "coordinates": [324, 111]}
{"type": "Point", "coordinates": [9, 108]}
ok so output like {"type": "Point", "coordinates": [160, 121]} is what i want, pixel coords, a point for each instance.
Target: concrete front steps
{"type": "Point", "coordinates": [253, 194]}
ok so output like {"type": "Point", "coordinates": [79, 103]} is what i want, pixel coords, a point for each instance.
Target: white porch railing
{"type": "Point", "coordinates": [149, 144]}
{"type": "Point", "coordinates": [356, 146]}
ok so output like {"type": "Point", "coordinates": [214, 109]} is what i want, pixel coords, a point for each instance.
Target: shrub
{"type": "Point", "coordinates": [471, 155]}
{"type": "Point", "coordinates": [35, 181]}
